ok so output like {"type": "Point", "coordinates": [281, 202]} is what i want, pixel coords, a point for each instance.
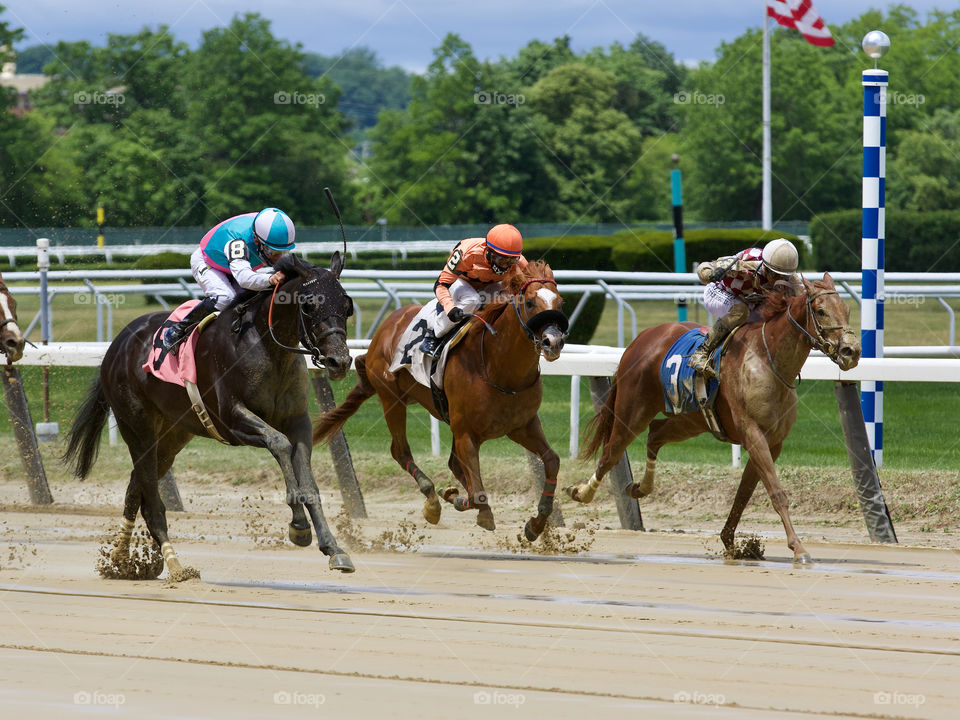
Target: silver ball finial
{"type": "Point", "coordinates": [875, 44]}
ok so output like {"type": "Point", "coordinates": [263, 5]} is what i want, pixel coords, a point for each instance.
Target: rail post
{"type": "Point", "coordinates": [342, 462]}
{"type": "Point", "coordinates": [169, 493]}
{"type": "Point", "coordinates": [23, 433]}
{"type": "Point", "coordinates": [865, 478]}
{"type": "Point", "coordinates": [621, 477]}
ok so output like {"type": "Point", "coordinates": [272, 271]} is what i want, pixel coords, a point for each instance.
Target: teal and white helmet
{"type": "Point", "coordinates": [275, 229]}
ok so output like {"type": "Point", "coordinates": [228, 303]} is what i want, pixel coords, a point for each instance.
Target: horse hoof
{"type": "Point", "coordinates": [449, 494]}
{"type": "Point", "coordinates": [803, 560]}
{"type": "Point", "coordinates": [529, 533]}
{"type": "Point", "coordinates": [342, 562]}
{"type": "Point", "coordinates": [635, 491]}
{"type": "Point", "coordinates": [581, 493]}
{"type": "Point", "coordinates": [485, 519]}
{"type": "Point", "coordinates": [300, 536]}
{"type": "Point", "coordinates": [431, 510]}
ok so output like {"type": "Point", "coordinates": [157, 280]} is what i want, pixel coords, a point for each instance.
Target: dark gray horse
{"type": "Point", "coordinates": [253, 384]}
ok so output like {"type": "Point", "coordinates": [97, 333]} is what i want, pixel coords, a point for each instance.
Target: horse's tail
{"type": "Point", "coordinates": [333, 420]}
{"type": "Point", "coordinates": [84, 439]}
{"type": "Point", "coordinates": [600, 426]}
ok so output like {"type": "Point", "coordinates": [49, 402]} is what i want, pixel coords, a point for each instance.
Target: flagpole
{"type": "Point", "coordinates": [767, 204]}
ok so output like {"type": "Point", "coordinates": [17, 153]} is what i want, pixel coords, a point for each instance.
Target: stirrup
{"type": "Point", "coordinates": [431, 348]}
{"type": "Point", "coordinates": [172, 338]}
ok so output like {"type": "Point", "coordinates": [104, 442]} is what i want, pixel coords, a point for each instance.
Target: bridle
{"type": "Point", "coordinates": [302, 333]}
{"type": "Point", "coordinates": [532, 327]}
{"type": "Point", "coordinates": [817, 339]}
{"type": "Point", "coordinates": [5, 321]}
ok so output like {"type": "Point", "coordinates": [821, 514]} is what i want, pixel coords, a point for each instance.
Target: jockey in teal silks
{"type": "Point", "coordinates": [236, 254]}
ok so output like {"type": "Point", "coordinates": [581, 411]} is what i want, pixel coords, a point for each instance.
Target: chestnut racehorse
{"type": "Point", "coordinates": [11, 338]}
{"type": "Point", "coordinates": [492, 382]}
{"type": "Point", "coordinates": [756, 402]}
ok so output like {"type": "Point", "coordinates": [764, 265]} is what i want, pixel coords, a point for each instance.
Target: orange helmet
{"type": "Point", "coordinates": [505, 240]}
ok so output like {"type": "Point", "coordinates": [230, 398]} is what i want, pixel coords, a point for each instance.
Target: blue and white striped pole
{"type": "Point", "coordinates": [871, 307]}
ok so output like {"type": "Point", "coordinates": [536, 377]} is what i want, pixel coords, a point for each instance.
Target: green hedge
{"type": "Point", "coordinates": [915, 242]}
{"type": "Point", "coordinates": [573, 252]}
{"type": "Point", "coordinates": [653, 251]}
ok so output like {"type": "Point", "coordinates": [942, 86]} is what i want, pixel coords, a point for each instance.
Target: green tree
{"type": "Point", "coordinates": [463, 150]}
{"type": "Point", "coordinates": [262, 130]}
{"type": "Point", "coordinates": [590, 145]}
{"type": "Point", "coordinates": [647, 78]}
{"type": "Point", "coordinates": [366, 86]}
{"type": "Point", "coordinates": [38, 183]}
{"type": "Point", "coordinates": [925, 173]}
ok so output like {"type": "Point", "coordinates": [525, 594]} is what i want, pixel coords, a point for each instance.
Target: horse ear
{"type": "Point", "coordinates": [336, 263]}
{"type": "Point", "coordinates": [827, 280]}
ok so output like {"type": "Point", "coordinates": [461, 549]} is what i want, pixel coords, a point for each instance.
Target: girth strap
{"type": "Point", "coordinates": [200, 409]}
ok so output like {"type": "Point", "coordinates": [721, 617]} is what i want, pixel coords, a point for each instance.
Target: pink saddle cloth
{"type": "Point", "coordinates": [182, 366]}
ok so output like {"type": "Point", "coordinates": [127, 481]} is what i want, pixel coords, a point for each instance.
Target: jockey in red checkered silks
{"type": "Point", "coordinates": [738, 284]}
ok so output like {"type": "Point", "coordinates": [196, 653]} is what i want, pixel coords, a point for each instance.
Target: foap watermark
{"type": "Point", "coordinates": [99, 698]}
{"type": "Point", "coordinates": [699, 698]}
{"type": "Point", "coordinates": [85, 298]}
{"type": "Point", "coordinates": [491, 97]}
{"type": "Point", "coordinates": [904, 299]}
{"type": "Point", "coordinates": [898, 698]}
{"type": "Point", "coordinates": [295, 97]}
{"type": "Point", "coordinates": [698, 98]}
{"type": "Point", "coordinates": [895, 97]}
{"type": "Point", "coordinates": [495, 697]}
{"type": "Point", "coordinates": [98, 97]}
{"type": "Point", "coordinates": [284, 697]}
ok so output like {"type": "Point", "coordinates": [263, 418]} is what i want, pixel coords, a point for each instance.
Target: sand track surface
{"type": "Point", "coordinates": [453, 622]}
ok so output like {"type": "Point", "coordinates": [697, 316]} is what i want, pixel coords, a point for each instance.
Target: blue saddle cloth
{"type": "Point", "coordinates": [680, 383]}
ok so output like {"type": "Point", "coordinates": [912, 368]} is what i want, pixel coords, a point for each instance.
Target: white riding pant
{"type": "Point", "coordinates": [465, 297]}
{"type": "Point", "coordinates": [214, 283]}
{"type": "Point", "coordinates": [718, 300]}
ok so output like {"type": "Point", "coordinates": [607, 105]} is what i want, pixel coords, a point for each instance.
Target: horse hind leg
{"type": "Point", "coordinates": [395, 414]}
{"type": "Point", "coordinates": [621, 435]}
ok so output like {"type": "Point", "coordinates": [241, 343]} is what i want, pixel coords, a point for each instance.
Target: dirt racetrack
{"type": "Point", "coordinates": [452, 622]}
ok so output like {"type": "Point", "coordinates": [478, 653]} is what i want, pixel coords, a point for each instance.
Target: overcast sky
{"type": "Point", "coordinates": [404, 32]}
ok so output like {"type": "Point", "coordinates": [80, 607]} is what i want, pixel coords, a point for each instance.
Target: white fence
{"type": "Point", "coordinates": [396, 286]}
{"type": "Point", "coordinates": [579, 361]}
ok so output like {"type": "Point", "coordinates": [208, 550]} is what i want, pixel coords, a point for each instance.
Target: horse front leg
{"type": "Point", "coordinates": [251, 429]}
{"type": "Point", "coordinates": [531, 437]}
{"type": "Point", "coordinates": [755, 443]}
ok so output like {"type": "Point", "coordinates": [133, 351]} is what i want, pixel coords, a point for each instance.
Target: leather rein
{"type": "Point", "coordinates": [531, 334]}
{"type": "Point", "coordinates": [818, 341]}
{"type": "Point", "coordinates": [302, 333]}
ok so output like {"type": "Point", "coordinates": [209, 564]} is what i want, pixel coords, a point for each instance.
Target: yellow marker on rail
{"type": "Point", "coordinates": [100, 242]}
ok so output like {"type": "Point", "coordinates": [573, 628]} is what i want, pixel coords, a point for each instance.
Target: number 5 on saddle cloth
{"type": "Point", "coordinates": [686, 391]}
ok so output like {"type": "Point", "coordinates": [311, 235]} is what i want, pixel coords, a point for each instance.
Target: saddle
{"type": "Point", "coordinates": [686, 391]}
{"type": "Point", "coordinates": [181, 369]}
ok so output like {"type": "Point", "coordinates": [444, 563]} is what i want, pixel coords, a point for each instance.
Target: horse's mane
{"type": "Point", "coordinates": [512, 284]}
{"type": "Point", "coordinates": [776, 303]}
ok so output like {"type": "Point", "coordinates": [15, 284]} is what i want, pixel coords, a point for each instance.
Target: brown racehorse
{"type": "Point", "coordinates": [756, 403]}
{"type": "Point", "coordinates": [492, 381]}
{"type": "Point", "coordinates": [11, 338]}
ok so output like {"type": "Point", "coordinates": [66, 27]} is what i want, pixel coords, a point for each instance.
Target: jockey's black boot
{"type": "Point", "coordinates": [174, 335]}
{"type": "Point", "coordinates": [430, 345]}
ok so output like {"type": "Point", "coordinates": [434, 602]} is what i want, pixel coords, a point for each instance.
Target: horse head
{"type": "Point", "coordinates": [11, 338]}
{"type": "Point", "coordinates": [537, 305]}
{"type": "Point", "coordinates": [830, 318]}
{"type": "Point", "coordinates": [324, 307]}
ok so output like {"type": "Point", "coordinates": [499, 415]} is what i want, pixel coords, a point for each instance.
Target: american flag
{"type": "Point", "coordinates": [800, 15]}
